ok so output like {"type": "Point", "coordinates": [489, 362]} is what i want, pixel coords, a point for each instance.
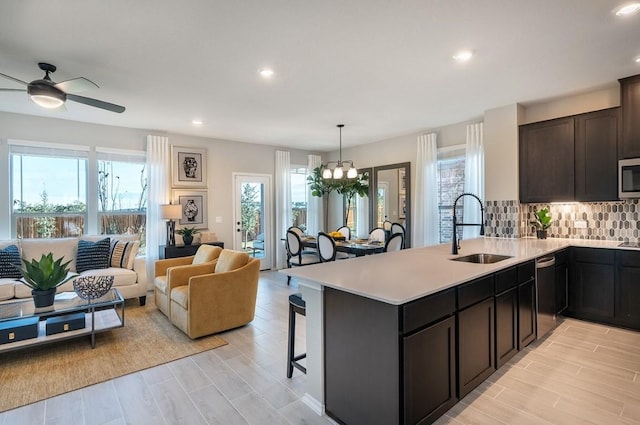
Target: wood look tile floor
{"type": "Point", "coordinates": [582, 373]}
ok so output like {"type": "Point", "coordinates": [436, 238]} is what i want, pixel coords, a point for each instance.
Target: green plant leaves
{"type": "Point", "coordinates": [46, 273]}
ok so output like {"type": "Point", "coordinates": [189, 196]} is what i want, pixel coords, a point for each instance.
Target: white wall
{"type": "Point", "coordinates": [501, 153]}
{"type": "Point", "coordinates": [223, 158]}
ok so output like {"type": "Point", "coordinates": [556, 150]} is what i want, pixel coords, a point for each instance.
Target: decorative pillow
{"type": "Point", "coordinates": [230, 260]}
{"type": "Point", "coordinates": [10, 256]}
{"type": "Point", "coordinates": [123, 253]}
{"type": "Point", "coordinates": [93, 255]}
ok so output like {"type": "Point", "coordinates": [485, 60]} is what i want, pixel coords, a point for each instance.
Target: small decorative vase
{"type": "Point", "coordinates": [188, 240]}
{"type": "Point", "coordinates": [43, 299]}
{"type": "Point", "coordinates": [92, 287]}
{"type": "Point", "coordinates": [541, 234]}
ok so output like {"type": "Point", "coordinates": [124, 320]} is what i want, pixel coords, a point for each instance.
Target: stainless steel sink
{"type": "Point", "coordinates": [482, 258]}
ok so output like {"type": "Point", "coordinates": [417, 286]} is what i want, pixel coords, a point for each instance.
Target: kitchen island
{"type": "Point", "coordinates": [383, 321]}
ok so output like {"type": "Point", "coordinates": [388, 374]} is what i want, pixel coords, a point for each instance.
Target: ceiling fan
{"type": "Point", "coordinates": [48, 94]}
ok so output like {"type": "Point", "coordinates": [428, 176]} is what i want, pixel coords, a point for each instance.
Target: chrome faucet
{"type": "Point", "coordinates": [454, 242]}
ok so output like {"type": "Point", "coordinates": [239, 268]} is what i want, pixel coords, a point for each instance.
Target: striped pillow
{"type": "Point", "coordinates": [93, 255]}
{"type": "Point", "coordinates": [123, 253]}
{"type": "Point", "coordinates": [10, 256]}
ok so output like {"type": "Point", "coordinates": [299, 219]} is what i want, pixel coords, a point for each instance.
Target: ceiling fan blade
{"type": "Point", "coordinates": [76, 85]}
{"type": "Point", "coordinates": [22, 90]}
{"type": "Point", "coordinates": [14, 79]}
{"type": "Point", "coordinates": [96, 103]}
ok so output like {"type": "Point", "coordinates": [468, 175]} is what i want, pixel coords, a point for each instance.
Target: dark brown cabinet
{"type": "Point", "coordinates": [630, 101]}
{"type": "Point", "coordinates": [526, 304]}
{"type": "Point", "coordinates": [183, 250]}
{"type": "Point", "coordinates": [596, 155]}
{"type": "Point", "coordinates": [506, 315]}
{"type": "Point", "coordinates": [547, 149]}
{"type": "Point", "coordinates": [592, 287]}
{"type": "Point", "coordinates": [562, 281]}
{"type": "Point", "coordinates": [628, 288]}
{"type": "Point", "coordinates": [577, 156]}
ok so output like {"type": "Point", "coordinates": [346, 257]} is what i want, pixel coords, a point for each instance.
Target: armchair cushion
{"type": "Point", "coordinates": [206, 253]}
{"type": "Point", "coordinates": [231, 260]}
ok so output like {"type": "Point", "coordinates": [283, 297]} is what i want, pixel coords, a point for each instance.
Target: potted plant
{"type": "Point", "coordinates": [44, 277]}
{"type": "Point", "coordinates": [187, 234]}
{"type": "Point", "coordinates": [542, 222]}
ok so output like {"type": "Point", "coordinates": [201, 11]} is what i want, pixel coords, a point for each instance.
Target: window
{"type": "Point", "coordinates": [299, 190]}
{"type": "Point", "coordinates": [122, 192]}
{"type": "Point", "coordinates": [450, 183]}
{"type": "Point", "coordinates": [48, 191]}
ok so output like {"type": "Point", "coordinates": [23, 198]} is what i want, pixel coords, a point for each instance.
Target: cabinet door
{"type": "Point", "coordinates": [630, 296]}
{"type": "Point", "coordinates": [526, 313]}
{"type": "Point", "coordinates": [630, 100]}
{"type": "Point", "coordinates": [429, 372]}
{"type": "Point", "coordinates": [562, 282]}
{"type": "Point", "coordinates": [476, 350]}
{"type": "Point", "coordinates": [506, 326]}
{"type": "Point", "coordinates": [547, 149]}
{"type": "Point", "coordinates": [596, 155]}
{"type": "Point", "coordinates": [595, 290]}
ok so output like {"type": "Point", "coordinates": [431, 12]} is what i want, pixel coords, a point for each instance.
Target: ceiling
{"type": "Point", "coordinates": [384, 68]}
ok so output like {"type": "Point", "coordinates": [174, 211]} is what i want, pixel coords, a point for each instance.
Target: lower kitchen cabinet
{"type": "Point", "coordinates": [592, 289]}
{"type": "Point", "coordinates": [526, 313]}
{"type": "Point", "coordinates": [506, 326]}
{"type": "Point", "coordinates": [562, 281]}
{"type": "Point", "coordinates": [476, 350]}
{"type": "Point", "coordinates": [430, 372]}
{"type": "Point", "coordinates": [628, 288]}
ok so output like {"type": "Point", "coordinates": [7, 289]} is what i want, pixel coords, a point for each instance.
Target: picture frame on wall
{"type": "Point", "coordinates": [402, 181]}
{"type": "Point", "coordinates": [193, 204]}
{"type": "Point", "coordinates": [188, 167]}
{"type": "Point", "coordinates": [402, 206]}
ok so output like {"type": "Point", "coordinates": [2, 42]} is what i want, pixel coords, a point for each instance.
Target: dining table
{"type": "Point", "coordinates": [357, 247]}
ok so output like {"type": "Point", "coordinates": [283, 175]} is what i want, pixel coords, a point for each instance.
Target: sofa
{"type": "Point", "coordinates": [122, 262]}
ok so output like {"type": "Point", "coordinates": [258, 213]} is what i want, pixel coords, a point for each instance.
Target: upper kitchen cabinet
{"type": "Point", "coordinates": [596, 161]}
{"type": "Point", "coordinates": [570, 159]}
{"type": "Point", "coordinates": [630, 100]}
{"type": "Point", "coordinates": [546, 161]}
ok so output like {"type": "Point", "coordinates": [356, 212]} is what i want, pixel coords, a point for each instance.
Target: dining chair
{"type": "Point", "coordinates": [394, 243]}
{"type": "Point", "coordinates": [300, 233]}
{"type": "Point", "coordinates": [327, 250]}
{"type": "Point", "coordinates": [346, 232]}
{"type": "Point", "coordinates": [399, 228]}
{"type": "Point", "coordinates": [386, 225]}
{"type": "Point", "coordinates": [377, 234]}
{"type": "Point", "coordinates": [295, 255]}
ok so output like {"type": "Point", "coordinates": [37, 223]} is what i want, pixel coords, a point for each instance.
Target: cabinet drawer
{"type": "Point", "coordinates": [426, 310]}
{"type": "Point", "coordinates": [526, 271]}
{"type": "Point", "coordinates": [475, 291]}
{"type": "Point", "coordinates": [506, 279]}
{"type": "Point", "coordinates": [594, 255]}
{"type": "Point", "coordinates": [628, 258]}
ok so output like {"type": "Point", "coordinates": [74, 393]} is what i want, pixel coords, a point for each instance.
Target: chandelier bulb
{"type": "Point", "coordinates": [337, 173]}
{"type": "Point", "coordinates": [352, 173]}
{"type": "Point", "coordinates": [326, 173]}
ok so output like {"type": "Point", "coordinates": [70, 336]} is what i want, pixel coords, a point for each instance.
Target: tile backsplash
{"type": "Point", "coordinates": [604, 220]}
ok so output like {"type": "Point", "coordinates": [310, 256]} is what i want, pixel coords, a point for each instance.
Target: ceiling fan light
{"type": "Point", "coordinates": [326, 173]}
{"type": "Point", "coordinates": [337, 173]}
{"type": "Point", "coordinates": [46, 101]}
{"type": "Point", "coordinates": [352, 173]}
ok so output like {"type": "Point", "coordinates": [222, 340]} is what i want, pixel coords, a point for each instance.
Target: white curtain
{"type": "Point", "coordinates": [473, 178]}
{"type": "Point", "coordinates": [283, 204]}
{"type": "Point", "coordinates": [314, 203]}
{"type": "Point", "coordinates": [158, 183]}
{"type": "Point", "coordinates": [425, 224]}
{"type": "Point", "coordinates": [362, 216]}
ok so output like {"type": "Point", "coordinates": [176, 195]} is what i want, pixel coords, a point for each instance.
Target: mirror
{"type": "Point", "coordinates": [358, 218]}
{"type": "Point", "coordinates": [392, 200]}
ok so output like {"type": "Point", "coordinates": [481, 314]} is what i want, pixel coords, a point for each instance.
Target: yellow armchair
{"type": "Point", "coordinates": [218, 301]}
{"type": "Point", "coordinates": [173, 272]}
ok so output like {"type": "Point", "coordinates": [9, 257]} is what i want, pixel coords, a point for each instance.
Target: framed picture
{"type": "Point", "coordinates": [193, 204]}
{"type": "Point", "coordinates": [402, 181]}
{"type": "Point", "coordinates": [188, 167]}
{"type": "Point", "coordinates": [402, 205]}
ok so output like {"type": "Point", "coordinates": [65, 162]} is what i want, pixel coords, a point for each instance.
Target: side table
{"type": "Point", "coordinates": [183, 250]}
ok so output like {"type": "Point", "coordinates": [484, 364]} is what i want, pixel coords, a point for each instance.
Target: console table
{"type": "Point", "coordinates": [183, 250]}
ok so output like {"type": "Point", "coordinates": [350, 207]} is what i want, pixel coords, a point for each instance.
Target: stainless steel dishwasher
{"type": "Point", "coordinates": [545, 294]}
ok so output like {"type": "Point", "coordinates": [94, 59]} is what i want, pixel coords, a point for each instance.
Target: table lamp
{"type": "Point", "coordinates": [171, 212]}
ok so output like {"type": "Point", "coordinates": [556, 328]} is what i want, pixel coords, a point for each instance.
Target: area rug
{"type": "Point", "coordinates": [148, 339]}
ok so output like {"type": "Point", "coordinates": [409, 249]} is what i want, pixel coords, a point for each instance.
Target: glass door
{"type": "Point", "coordinates": [252, 216]}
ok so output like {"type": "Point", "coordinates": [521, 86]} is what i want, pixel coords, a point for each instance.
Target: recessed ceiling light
{"type": "Point", "coordinates": [196, 122]}
{"type": "Point", "coordinates": [266, 72]}
{"type": "Point", "coordinates": [627, 9]}
{"type": "Point", "coordinates": [637, 59]}
{"type": "Point", "coordinates": [463, 56]}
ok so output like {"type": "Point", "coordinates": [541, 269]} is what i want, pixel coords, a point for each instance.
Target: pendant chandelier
{"type": "Point", "coordinates": [339, 171]}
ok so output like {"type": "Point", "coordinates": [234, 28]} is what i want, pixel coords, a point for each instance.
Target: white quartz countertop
{"type": "Point", "coordinates": [403, 276]}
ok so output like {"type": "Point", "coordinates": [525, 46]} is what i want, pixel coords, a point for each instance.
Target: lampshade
{"type": "Point", "coordinates": [340, 165]}
{"type": "Point", "coordinates": [44, 94]}
{"type": "Point", "coordinates": [170, 211]}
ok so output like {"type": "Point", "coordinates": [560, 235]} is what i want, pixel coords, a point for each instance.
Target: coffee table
{"type": "Point", "coordinates": [101, 314]}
